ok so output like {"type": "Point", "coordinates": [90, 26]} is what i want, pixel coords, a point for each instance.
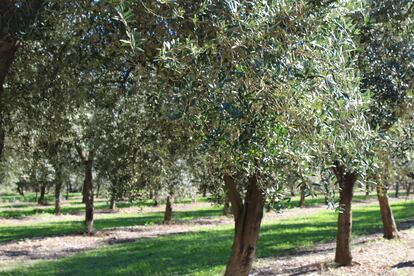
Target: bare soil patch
{"type": "Point", "coordinates": [372, 254]}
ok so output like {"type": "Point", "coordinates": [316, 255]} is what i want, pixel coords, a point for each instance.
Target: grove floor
{"type": "Point", "coordinates": [293, 242]}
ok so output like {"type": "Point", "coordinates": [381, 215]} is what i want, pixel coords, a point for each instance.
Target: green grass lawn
{"type": "Point", "coordinates": [17, 206]}
{"type": "Point", "coordinates": [102, 221]}
{"type": "Point", "coordinates": [206, 252]}
{"type": "Point", "coordinates": [293, 202]}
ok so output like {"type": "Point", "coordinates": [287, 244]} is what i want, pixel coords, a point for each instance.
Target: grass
{"type": "Point", "coordinates": [293, 202]}
{"type": "Point", "coordinates": [102, 221]}
{"type": "Point", "coordinates": [17, 206]}
{"type": "Point", "coordinates": [47, 225]}
{"type": "Point", "coordinates": [31, 197]}
{"type": "Point", "coordinates": [206, 252]}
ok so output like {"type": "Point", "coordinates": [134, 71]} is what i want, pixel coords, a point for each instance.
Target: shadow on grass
{"type": "Point", "coordinates": [206, 252]}
{"type": "Point", "coordinates": [320, 200]}
{"type": "Point", "coordinates": [31, 197]}
{"type": "Point", "coordinates": [31, 210]}
{"type": "Point", "coordinates": [57, 228]}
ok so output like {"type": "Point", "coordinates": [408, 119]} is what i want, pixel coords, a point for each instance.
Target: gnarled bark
{"type": "Point", "coordinates": [346, 180]}
{"type": "Point", "coordinates": [390, 228]}
{"type": "Point", "coordinates": [247, 217]}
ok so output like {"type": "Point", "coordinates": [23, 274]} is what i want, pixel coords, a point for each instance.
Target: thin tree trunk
{"type": "Point", "coordinates": [205, 191]}
{"type": "Point", "coordinates": [98, 187]}
{"type": "Point", "coordinates": [302, 197]}
{"type": "Point", "coordinates": [112, 202]}
{"type": "Point", "coordinates": [2, 133]}
{"type": "Point", "coordinates": [411, 175]}
{"type": "Point", "coordinates": [67, 190]}
{"type": "Point", "coordinates": [367, 192]}
{"type": "Point", "coordinates": [390, 228]}
{"type": "Point", "coordinates": [408, 189]}
{"type": "Point", "coordinates": [168, 211]}
{"type": "Point", "coordinates": [58, 188]}
{"type": "Point", "coordinates": [346, 180]}
{"type": "Point", "coordinates": [20, 190]}
{"type": "Point", "coordinates": [88, 195]}
{"type": "Point", "coordinates": [247, 216]}
{"type": "Point", "coordinates": [41, 200]}
{"type": "Point", "coordinates": [156, 199]}
{"type": "Point", "coordinates": [397, 190]}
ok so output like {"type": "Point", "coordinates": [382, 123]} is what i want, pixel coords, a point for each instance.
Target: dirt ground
{"type": "Point", "coordinates": [372, 254]}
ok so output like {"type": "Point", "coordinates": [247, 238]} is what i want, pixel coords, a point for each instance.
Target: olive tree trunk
{"type": "Point", "coordinates": [20, 190]}
{"type": "Point", "coordinates": [112, 202]}
{"type": "Point", "coordinates": [390, 228]}
{"type": "Point", "coordinates": [112, 194]}
{"type": "Point", "coordinates": [346, 180]}
{"type": "Point", "coordinates": [411, 175]}
{"type": "Point", "coordinates": [98, 188]}
{"type": "Point", "coordinates": [397, 190]}
{"type": "Point", "coordinates": [83, 193]}
{"type": "Point", "coordinates": [87, 189]}
{"type": "Point", "coordinates": [58, 189]}
{"type": "Point", "coordinates": [247, 217]}
{"type": "Point", "coordinates": [302, 197]}
{"type": "Point", "coordinates": [168, 212]}
{"type": "Point", "coordinates": [2, 134]}
{"type": "Point", "coordinates": [88, 193]}
{"type": "Point", "coordinates": [41, 200]}
{"type": "Point", "coordinates": [156, 199]}
{"type": "Point", "coordinates": [367, 192]}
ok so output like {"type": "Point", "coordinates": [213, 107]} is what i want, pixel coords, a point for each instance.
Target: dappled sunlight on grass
{"type": "Point", "coordinates": [206, 252]}
{"type": "Point", "coordinates": [62, 226]}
